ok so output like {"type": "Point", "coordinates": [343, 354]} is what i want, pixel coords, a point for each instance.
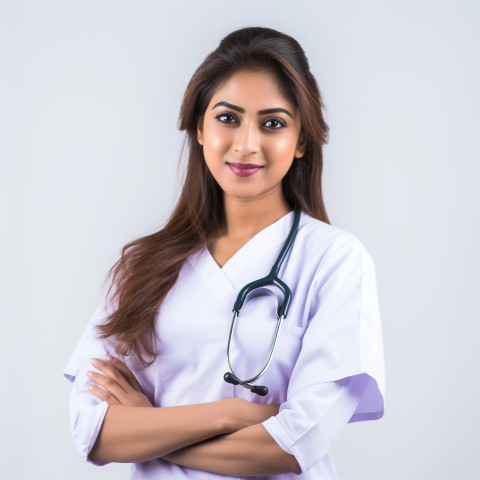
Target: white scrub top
{"type": "Point", "coordinates": [328, 367]}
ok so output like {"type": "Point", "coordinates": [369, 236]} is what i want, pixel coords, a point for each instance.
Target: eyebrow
{"type": "Point", "coordinates": [260, 112]}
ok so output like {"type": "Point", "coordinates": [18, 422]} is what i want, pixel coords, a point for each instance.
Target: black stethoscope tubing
{"type": "Point", "coordinates": [271, 279]}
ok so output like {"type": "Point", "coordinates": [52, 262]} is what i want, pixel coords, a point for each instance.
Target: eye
{"type": "Point", "coordinates": [275, 123]}
{"type": "Point", "coordinates": [226, 118]}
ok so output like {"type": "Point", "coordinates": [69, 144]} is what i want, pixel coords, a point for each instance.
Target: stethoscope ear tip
{"type": "Point", "coordinates": [229, 377]}
{"type": "Point", "coordinates": [259, 390]}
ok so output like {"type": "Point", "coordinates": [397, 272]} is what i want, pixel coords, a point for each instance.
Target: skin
{"type": "Point", "coordinates": [135, 431]}
{"type": "Point", "coordinates": [271, 140]}
{"type": "Point", "coordinates": [224, 437]}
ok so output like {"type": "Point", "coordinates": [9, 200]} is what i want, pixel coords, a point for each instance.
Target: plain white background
{"type": "Point", "coordinates": [89, 99]}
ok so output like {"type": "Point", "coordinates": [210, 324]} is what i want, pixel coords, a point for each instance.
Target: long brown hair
{"type": "Point", "coordinates": [149, 266]}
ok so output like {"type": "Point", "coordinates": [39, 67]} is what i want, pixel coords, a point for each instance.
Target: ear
{"type": "Point", "coordinates": [200, 132]}
{"type": "Point", "coordinates": [301, 146]}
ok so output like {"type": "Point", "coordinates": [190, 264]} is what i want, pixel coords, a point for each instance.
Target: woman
{"type": "Point", "coordinates": [253, 116]}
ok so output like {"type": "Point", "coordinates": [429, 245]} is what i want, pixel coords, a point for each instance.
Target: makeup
{"type": "Point", "coordinates": [244, 169]}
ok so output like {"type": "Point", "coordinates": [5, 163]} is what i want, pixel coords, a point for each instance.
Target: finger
{"type": "Point", "coordinates": [111, 372]}
{"type": "Point", "coordinates": [127, 373]}
{"type": "Point", "coordinates": [108, 384]}
{"type": "Point", "coordinates": [103, 395]}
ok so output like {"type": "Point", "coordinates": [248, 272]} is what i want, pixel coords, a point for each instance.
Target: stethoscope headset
{"type": "Point", "coordinates": [282, 310]}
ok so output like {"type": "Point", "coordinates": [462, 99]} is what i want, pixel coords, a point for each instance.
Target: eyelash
{"type": "Point", "coordinates": [280, 122]}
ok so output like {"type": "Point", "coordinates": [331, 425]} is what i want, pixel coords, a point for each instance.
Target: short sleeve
{"type": "Point", "coordinates": [343, 336]}
{"type": "Point", "coordinates": [87, 412]}
{"type": "Point", "coordinates": [338, 376]}
{"type": "Point", "coordinates": [310, 420]}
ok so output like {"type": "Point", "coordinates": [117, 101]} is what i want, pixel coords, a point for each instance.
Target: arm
{"type": "Point", "coordinates": [247, 452]}
{"type": "Point", "coordinates": [137, 434]}
{"type": "Point", "coordinates": [134, 431]}
{"type": "Point", "coordinates": [306, 426]}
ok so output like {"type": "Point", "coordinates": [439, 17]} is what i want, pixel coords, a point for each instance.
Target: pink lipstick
{"type": "Point", "coordinates": [244, 169]}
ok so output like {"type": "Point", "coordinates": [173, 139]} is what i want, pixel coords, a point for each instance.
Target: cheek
{"type": "Point", "coordinates": [213, 158]}
{"type": "Point", "coordinates": [282, 148]}
{"type": "Point", "coordinates": [215, 144]}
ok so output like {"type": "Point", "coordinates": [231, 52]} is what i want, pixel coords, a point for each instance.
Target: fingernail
{"type": "Point", "coordinates": [108, 356]}
{"type": "Point", "coordinates": [89, 373]}
{"type": "Point", "coordinates": [94, 361]}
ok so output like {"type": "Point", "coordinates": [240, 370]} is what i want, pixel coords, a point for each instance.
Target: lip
{"type": "Point", "coordinates": [244, 169]}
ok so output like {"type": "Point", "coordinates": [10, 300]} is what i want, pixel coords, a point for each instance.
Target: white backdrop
{"type": "Point", "coordinates": [89, 99]}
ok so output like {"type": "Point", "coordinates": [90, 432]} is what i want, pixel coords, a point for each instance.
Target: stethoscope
{"type": "Point", "coordinates": [282, 310]}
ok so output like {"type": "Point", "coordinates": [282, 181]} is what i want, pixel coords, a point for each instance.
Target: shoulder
{"type": "Point", "coordinates": [324, 241]}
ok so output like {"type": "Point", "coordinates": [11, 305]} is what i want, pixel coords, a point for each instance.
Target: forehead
{"type": "Point", "coordinates": [250, 88]}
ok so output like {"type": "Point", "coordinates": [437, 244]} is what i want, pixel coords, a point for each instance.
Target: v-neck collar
{"type": "Point", "coordinates": [254, 248]}
{"type": "Point", "coordinates": [263, 248]}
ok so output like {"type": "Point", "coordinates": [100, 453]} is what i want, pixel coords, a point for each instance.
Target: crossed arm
{"type": "Point", "coordinates": [223, 437]}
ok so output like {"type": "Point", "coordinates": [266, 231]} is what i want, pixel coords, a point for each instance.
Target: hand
{"type": "Point", "coordinates": [120, 387]}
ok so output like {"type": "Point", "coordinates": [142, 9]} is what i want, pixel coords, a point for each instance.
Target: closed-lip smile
{"type": "Point", "coordinates": [244, 169]}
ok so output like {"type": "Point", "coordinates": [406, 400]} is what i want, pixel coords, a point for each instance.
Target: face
{"type": "Point", "coordinates": [250, 135]}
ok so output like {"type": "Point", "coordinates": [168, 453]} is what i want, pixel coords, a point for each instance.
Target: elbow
{"type": "Point", "coordinates": [297, 468]}
{"type": "Point", "coordinates": [284, 462]}
{"type": "Point", "coordinates": [103, 451]}
{"type": "Point", "coordinates": [106, 451]}
{"type": "Point", "coordinates": [86, 424]}
{"type": "Point", "coordinates": [96, 455]}
{"type": "Point", "coordinates": [292, 465]}
{"type": "Point", "coordinates": [93, 455]}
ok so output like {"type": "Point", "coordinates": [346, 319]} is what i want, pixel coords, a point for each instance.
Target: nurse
{"type": "Point", "coordinates": [147, 374]}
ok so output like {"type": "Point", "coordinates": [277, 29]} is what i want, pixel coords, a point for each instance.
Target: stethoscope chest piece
{"type": "Point", "coordinates": [270, 279]}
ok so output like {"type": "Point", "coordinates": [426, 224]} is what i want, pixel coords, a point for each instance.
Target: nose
{"type": "Point", "coordinates": [247, 139]}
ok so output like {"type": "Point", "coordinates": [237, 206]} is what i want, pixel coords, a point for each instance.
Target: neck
{"type": "Point", "coordinates": [247, 217]}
